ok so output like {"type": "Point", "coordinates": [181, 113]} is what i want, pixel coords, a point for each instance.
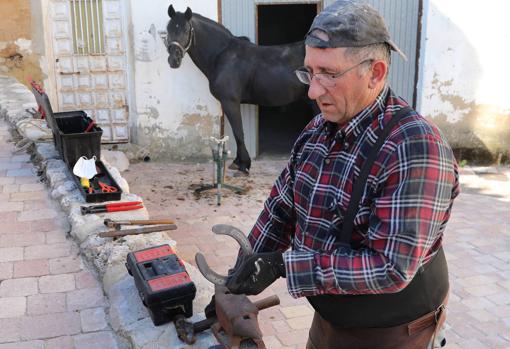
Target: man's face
{"type": "Point", "coordinates": [351, 92]}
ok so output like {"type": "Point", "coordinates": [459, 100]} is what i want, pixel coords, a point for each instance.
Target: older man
{"type": "Point", "coordinates": [363, 201]}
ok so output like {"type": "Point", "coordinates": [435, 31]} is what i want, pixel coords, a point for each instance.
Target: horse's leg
{"type": "Point", "coordinates": [232, 110]}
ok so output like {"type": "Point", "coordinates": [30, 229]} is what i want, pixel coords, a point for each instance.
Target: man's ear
{"type": "Point", "coordinates": [188, 14]}
{"type": "Point", "coordinates": [171, 11]}
{"type": "Point", "coordinates": [379, 70]}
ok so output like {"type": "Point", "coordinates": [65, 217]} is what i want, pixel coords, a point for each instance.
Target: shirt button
{"type": "Point", "coordinates": [327, 161]}
{"type": "Point", "coordinates": [346, 145]}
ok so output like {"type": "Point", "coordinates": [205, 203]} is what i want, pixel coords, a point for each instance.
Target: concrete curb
{"type": "Point", "coordinates": [128, 317]}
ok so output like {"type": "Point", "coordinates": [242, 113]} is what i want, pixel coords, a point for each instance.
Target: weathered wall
{"type": "Point", "coordinates": [175, 112]}
{"type": "Point", "coordinates": [465, 49]}
{"type": "Point", "coordinates": [19, 57]}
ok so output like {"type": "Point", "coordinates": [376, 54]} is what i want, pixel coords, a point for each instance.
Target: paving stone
{"type": "Point", "coordinates": [295, 311]}
{"type": "Point", "coordinates": [36, 267]}
{"type": "Point", "coordinates": [50, 325]}
{"type": "Point", "coordinates": [10, 188]}
{"type": "Point", "coordinates": [32, 188]}
{"type": "Point", "coordinates": [6, 270]}
{"type": "Point", "coordinates": [23, 345]}
{"type": "Point", "coordinates": [24, 196]}
{"type": "Point", "coordinates": [65, 265]}
{"type": "Point", "coordinates": [18, 287]}
{"type": "Point", "coordinates": [54, 237]}
{"type": "Point", "coordinates": [93, 319]}
{"type": "Point", "coordinates": [49, 303]}
{"type": "Point", "coordinates": [35, 215]}
{"type": "Point", "coordinates": [85, 279]}
{"type": "Point", "coordinates": [103, 340]}
{"type": "Point", "coordinates": [24, 172]}
{"type": "Point", "coordinates": [47, 251]}
{"type": "Point", "coordinates": [11, 206]}
{"type": "Point", "coordinates": [12, 307]}
{"type": "Point", "coordinates": [65, 342]}
{"type": "Point", "coordinates": [23, 239]}
{"type": "Point", "coordinates": [292, 338]}
{"type": "Point", "coordinates": [10, 330]}
{"type": "Point", "coordinates": [14, 227]}
{"type": "Point", "coordinates": [56, 283]}
{"type": "Point", "coordinates": [85, 298]}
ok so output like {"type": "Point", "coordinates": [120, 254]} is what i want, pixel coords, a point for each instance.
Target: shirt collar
{"type": "Point", "coordinates": [360, 122]}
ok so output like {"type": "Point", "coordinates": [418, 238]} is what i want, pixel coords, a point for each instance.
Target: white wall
{"type": "Point", "coordinates": [175, 113]}
{"type": "Point", "coordinates": [465, 49]}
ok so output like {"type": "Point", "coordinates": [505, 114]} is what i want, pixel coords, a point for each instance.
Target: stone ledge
{"type": "Point", "coordinates": [128, 317]}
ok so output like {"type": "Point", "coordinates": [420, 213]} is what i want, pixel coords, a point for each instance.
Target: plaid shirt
{"type": "Point", "coordinates": [403, 211]}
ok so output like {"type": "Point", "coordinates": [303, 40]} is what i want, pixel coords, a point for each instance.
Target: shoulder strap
{"type": "Point", "coordinates": [348, 223]}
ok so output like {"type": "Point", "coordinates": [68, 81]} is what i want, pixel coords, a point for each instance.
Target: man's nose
{"type": "Point", "coordinates": [315, 90]}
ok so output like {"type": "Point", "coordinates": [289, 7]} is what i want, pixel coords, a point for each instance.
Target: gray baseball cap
{"type": "Point", "coordinates": [349, 24]}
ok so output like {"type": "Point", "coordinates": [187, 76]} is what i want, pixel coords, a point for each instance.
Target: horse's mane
{"type": "Point", "coordinates": [212, 23]}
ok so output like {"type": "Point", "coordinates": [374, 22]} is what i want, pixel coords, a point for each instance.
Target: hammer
{"type": "Point", "coordinates": [110, 223]}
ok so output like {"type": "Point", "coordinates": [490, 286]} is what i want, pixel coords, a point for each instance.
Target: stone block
{"type": "Point", "coordinates": [6, 270]}
{"type": "Point", "coordinates": [36, 267]}
{"type": "Point", "coordinates": [18, 287]}
{"type": "Point", "coordinates": [65, 342]}
{"type": "Point", "coordinates": [23, 239]}
{"type": "Point", "coordinates": [50, 325]}
{"type": "Point", "coordinates": [49, 303]}
{"type": "Point", "coordinates": [23, 345]}
{"type": "Point", "coordinates": [103, 340]}
{"type": "Point", "coordinates": [10, 330]}
{"type": "Point", "coordinates": [35, 215]}
{"type": "Point", "coordinates": [65, 265]}
{"type": "Point", "coordinates": [12, 307]}
{"type": "Point", "coordinates": [48, 251]}
{"type": "Point", "coordinates": [85, 298]}
{"type": "Point", "coordinates": [56, 283]}
{"type": "Point", "coordinates": [93, 319]}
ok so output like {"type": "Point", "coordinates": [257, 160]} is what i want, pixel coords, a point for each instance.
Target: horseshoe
{"type": "Point", "coordinates": [236, 234]}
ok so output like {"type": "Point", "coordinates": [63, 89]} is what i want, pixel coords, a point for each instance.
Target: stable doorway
{"type": "Point", "coordinates": [279, 127]}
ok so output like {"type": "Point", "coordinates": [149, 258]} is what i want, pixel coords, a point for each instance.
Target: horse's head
{"type": "Point", "coordinates": [179, 35]}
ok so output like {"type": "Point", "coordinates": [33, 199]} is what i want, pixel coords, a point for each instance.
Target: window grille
{"type": "Point", "coordinates": [88, 31]}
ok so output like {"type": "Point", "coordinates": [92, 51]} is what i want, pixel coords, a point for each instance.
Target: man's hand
{"type": "Point", "coordinates": [256, 272]}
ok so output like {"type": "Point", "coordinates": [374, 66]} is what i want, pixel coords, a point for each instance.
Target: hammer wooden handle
{"type": "Point", "coordinates": [267, 302]}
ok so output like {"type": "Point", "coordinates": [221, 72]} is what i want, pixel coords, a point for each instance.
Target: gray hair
{"type": "Point", "coordinates": [380, 51]}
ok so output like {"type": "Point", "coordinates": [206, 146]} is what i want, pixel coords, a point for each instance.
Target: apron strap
{"type": "Point", "coordinates": [345, 235]}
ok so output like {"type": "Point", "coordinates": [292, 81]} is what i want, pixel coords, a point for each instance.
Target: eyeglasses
{"type": "Point", "coordinates": [325, 79]}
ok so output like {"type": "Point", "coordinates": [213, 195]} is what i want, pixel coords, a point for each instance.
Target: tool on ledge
{"type": "Point", "coordinates": [114, 207]}
{"type": "Point", "coordinates": [110, 223]}
{"type": "Point", "coordinates": [137, 231]}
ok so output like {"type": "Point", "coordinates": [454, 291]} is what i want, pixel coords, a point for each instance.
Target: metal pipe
{"type": "Point", "coordinates": [81, 27]}
{"type": "Point", "coordinates": [85, 7]}
{"type": "Point", "coordinates": [99, 28]}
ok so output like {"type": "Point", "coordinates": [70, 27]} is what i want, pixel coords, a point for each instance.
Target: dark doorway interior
{"type": "Point", "coordinates": [280, 126]}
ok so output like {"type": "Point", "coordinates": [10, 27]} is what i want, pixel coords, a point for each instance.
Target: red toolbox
{"type": "Point", "coordinates": [163, 283]}
{"type": "Point", "coordinates": [74, 133]}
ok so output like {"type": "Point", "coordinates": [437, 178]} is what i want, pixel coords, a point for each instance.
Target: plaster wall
{"type": "Point", "coordinates": [175, 114]}
{"type": "Point", "coordinates": [463, 82]}
{"type": "Point", "coordinates": [21, 44]}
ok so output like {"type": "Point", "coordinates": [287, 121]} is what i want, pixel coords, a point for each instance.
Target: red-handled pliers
{"type": "Point", "coordinates": [115, 207]}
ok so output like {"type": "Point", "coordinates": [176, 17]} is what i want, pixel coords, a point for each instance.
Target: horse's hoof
{"type": "Point", "coordinates": [241, 173]}
{"type": "Point", "coordinates": [233, 166]}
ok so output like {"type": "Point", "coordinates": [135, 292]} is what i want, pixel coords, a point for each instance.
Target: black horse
{"type": "Point", "coordinates": [238, 71]}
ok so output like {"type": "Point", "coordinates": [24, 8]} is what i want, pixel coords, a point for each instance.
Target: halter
{"type": "Point", "coordinates": [188, 45]}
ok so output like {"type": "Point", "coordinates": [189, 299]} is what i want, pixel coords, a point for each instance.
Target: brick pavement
{"type": "Point", "coordinates": [477, 244]}
{"type": "Point", "coordinates": [49, 299]}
